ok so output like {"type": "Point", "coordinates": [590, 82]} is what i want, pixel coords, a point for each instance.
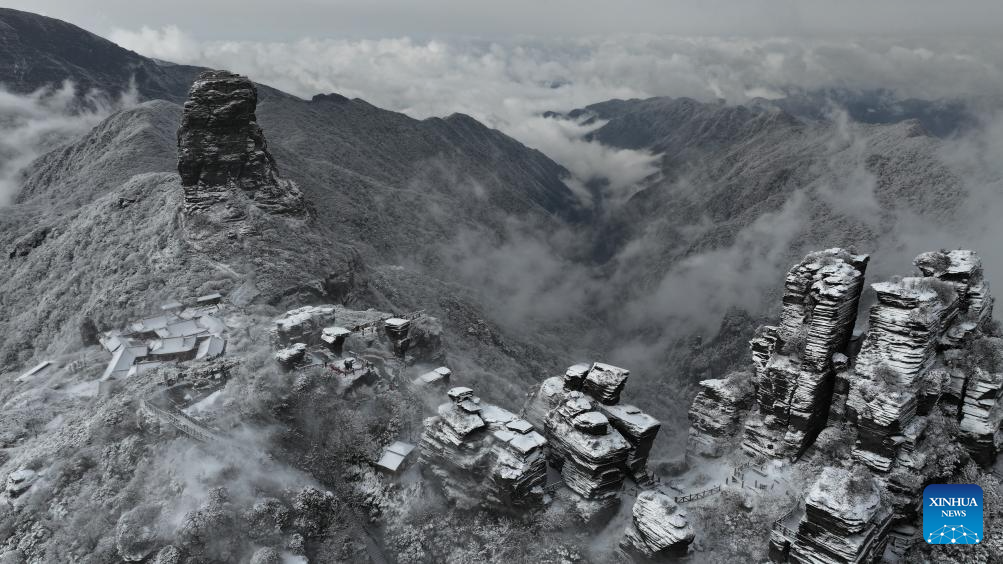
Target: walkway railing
{"type": "Point", "coordinates": [181, 421]}
{"type": "Point", "coordinates": [779, 523]}
{"type": "Point", "coordinates": [698, 495]}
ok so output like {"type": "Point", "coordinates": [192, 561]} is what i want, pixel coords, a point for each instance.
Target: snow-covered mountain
{"type": "Point", "coordinates": [442, 216]}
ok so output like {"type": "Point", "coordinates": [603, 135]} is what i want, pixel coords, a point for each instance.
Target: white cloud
{"type": "Point", "coordinates": [508, 85]}
{"type": "Point", "coordinates": [33, 124]}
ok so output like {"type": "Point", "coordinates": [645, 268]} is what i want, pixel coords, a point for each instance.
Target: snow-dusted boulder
{"type": "Point", "coordinates": [604, 382]}
{"type": "Point", "coordinates": [658, 527]}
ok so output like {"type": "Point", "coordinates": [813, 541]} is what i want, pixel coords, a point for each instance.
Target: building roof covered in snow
{"type": "Point", "coordinates": [122, 360]}
{"type": "Point", "coordinates": [151, 324]}
{"type": "Point", "coordinates": [210, 348]}
{"type": "Point", "coordinates": [181, 328]}
{"type": "Point", "coordinates": [397, 322]}
{"type": "Point", "coordinates": [173, 345]}
{"type": "Point", "coordinates": [395, 456]}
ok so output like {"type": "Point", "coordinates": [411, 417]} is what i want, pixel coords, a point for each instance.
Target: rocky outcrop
{"type": "Point", "coordinates": [604, 382]}
{"type": "Point", "coordinates": [763, 345]}
{"type": "Point", "coordinates": [582, 406]}
{"type": "Point", "coordinates": [640, 430]}
{"type": "Point", "coordinates": [483, 454]}
{"type": "Point", "coordinates": [963, 270]}
{"type": "Point", "coordinates": [922, 349]}
{"type": "Point", "coordinates": [820, 304]}
{"type": "Point", "coordinates": [658, 528]}
{"type": "Point", "coordinates": [843, 520]}
{"type": "Point", "coordinates": [794, 362]}
{"type": "Point", "coordinates": [223, 158]}
{"type": "Point", "coordinates": [545, 399]}
{"type": "Point", "coordinates": [716, 413]}
{"type": "Point", "coordinates": [905, 326]}
{"type": "Point", "coordinates": [591, 455]}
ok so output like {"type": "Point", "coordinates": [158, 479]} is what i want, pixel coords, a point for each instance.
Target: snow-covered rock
{"type": "Point", "coordinates": [592, 461]}
{"type": "Point", "coordinates": [658, 527]}
{"type": "Point", "coordinates": [715, 415]}
{"type": "Point", "coordinates": [223, 158]}
{"type": "Point", "coordinates": [305, 324]}
{"type": "Point", "coordinates": [604, 382]}
{"type": "Point", "coordinates": [843, 520]}
{"type": "Point", "coordinates": [484, 454]}
{"type": "Point", "coordinates": [794, 367]}
{"type": "Point", "coordinates": [981, 415]}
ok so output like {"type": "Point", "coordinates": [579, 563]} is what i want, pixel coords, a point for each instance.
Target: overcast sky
{"type": "Point", "coordinates": [292, 19]}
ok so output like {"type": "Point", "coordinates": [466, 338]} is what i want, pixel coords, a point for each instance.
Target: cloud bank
{"type": "Point", "coordinates": [510, 84]}
{"type": "Point", "coordinates": [33, 124]}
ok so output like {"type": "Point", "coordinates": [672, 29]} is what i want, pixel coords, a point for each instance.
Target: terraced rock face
{"type": "Point", "coordinates": [223, 158]}
{"type": "Point", "coordinates": [596, 442]}
{"type": "Point", "coordinates": [843, 520]}
{"type": "Point", "coordinates": [716, 413]}
{"type": "Point", "coordinates": [482, 454]}
{"type": "Point", "coordinates": [922, 348]}
{"type": "Point", "coordinates": [592, 458]}
{"type": "Point", "coordinates": [793, 362]}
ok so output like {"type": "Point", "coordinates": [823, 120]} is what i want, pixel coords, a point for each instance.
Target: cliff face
{"type": "Point", "coordinates": [717, 413]}
{"type": "Point", "coordinates": [928, 351]}
{"type": "Point", "coordinates": [922, 350]}
{"type": "Point", "coordinates": [842, 520]}
{"type": "Point", "coordinates": [918, 398]}
{"type": "Point", "coordinates": [794, 368]}
{"type": "Point", "coordinates": [223, 158]}
{"type": "Point", "coordinates": [591, 455]}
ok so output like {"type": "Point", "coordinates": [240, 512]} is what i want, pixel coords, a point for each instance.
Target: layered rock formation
{"type": "Point", "coordinates": [793, 362]}
{"type": "Point", "coordinates": [589, 452]}
{"type": "Point", "coordinates": [483, 454]}
{"type": "Point", "coordinates": [920, 351]}
{"type": "Point", "coordinates": [922, 385]}
{"type": "Point", "coordinates": [926, 351]}
{"type": "Point", "coordinates": [640, 430]}
{"type": "Point", "coordinates": [981, 415]}
{"type": "Point", "coordinates": [223, 158]}
{"type": "Point", "coordinates": [604, 382]}
{"type": "Point", "coordinates": [658, 528]}
{"type": "Point", "coordinates": [716, 413]}
{"type": "Point", "coordinates": [588, 390]}
{"type": "Point", "coordinates": [842, 521]}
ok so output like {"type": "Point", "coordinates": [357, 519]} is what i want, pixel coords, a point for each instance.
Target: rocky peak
{"type": "Point", "coordinates": [223, 157]}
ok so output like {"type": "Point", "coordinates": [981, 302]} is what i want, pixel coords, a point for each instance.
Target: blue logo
{"type": "Point", "coordinates": [952, 514]}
